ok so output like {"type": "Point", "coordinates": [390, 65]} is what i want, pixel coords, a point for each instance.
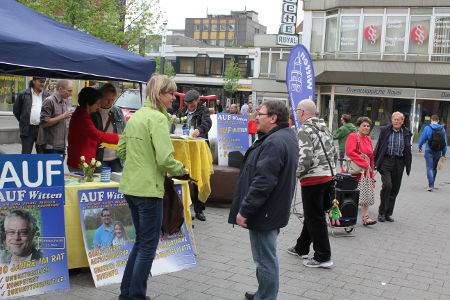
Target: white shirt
{"type": "Point", "coordinates": [36, 106]}
{"type": "Point", "coordinates": [108, 154]}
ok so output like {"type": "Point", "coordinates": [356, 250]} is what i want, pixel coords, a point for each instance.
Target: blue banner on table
{"type": "Point", "coordinates": [232, 136]}
{"type": "Point", "coordinates": [109, 236]}
{"type": "Point", "coordinates": [33, 257]}
{"type": "Point", "coordinates": [300, 78]}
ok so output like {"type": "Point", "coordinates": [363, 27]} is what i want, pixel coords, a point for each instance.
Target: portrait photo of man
{"type": "Point", "coordinates": [19, 230]}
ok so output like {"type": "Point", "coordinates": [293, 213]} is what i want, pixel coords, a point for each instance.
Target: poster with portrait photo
{"type": "Point", "coordinates": [109, 236]}
{"type": "Point", "coordinates": [33, 256]}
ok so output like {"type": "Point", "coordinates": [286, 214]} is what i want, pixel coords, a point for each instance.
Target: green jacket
{"type": "Point", "coordinates": [146, 148]}
{"type": "Point", "coordinates": [342, 133]}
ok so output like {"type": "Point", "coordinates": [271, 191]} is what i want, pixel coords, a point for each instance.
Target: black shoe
{"type": "Point", "coordinates": [381, 218]}
{"type": "Point", "coordinates": [200, 216]}
{"type": "Point", "coordinates": [389, 219]}
{"type": "Point", "coordinates": [249, 296]}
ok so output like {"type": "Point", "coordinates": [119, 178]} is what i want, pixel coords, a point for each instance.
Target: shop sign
{"type": "Point", "coordinates": [375, 92]}
{"type": "Point", "coordinates": [437, 95]}
{"type": "Point", "coordinates": [287, 40]}
{"type": "Point", "coordinates": [419, 34]}
{"type": "Point", "coordinates": [372, 33]}
{"type": "Point", "coordinates": [288, 37]}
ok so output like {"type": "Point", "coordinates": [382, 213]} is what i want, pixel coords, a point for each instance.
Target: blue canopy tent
{"type": "Point", "coordinates": [32, 44]}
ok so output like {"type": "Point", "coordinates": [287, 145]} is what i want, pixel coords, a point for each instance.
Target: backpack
{"type": "Point", "coordinates": [437, 140]}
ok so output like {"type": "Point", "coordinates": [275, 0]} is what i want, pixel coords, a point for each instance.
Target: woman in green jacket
{"type": "Point", "coordinates": [342, 133]}
{"type": "Point", "coordinates": [146, 148]}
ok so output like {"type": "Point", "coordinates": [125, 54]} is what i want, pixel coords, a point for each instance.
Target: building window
{"type": "Point", "coordinates": [216, 65]}
{"type": "Point", "coordinates": [223, 27]}
{"type": "Point", "coordinates": [230, 27]}
{"type": "Point", "coordinates": [186, 65]}
{"type": "Point", "coordinates": [222, 43]}
{"type": "Point", "coordinates": [330, 35]}
{"type": "Point", "coordinates": [213, 42]}
{"type": "Point", "coordinates": [202, 65]}
{"type": "Point", "coordinates": [418, 39]}
{"type": "Point", "coordinates": [316, 37]}
{"type": "Point", "coordinates": [214, 27]}
{"type": "Point", "coordinates": [205, 27]}
{"type": "Point", "coordinates": [230, 42]}
{"type": "Point", "coordinates": [371, 40]}
{"type": "Point", "coordinates": [394, 41]}
{"type": "Point", "coordinates": [349, 34]}
{"type": "Point", "coordinates": [197, 27]}
{"type": "Point", "coordinates": [264, 64]}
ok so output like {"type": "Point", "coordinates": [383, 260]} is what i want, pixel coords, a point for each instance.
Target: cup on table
{"type": "Point", "coordinates": [105, 176]}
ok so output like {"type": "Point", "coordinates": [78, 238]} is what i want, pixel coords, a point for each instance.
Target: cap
{"type": "Point", "coordinates": [39, 78]}
{"type": "Point", "coordinates": [191, 95]}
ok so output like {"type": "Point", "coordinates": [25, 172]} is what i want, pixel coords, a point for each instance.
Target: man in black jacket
{"type": "Point", "coordinates": [264, 192]}
{"type": "Point", "coordinates": [27, 110]}
{"type": "Point", "coordinates": [392, 156]}
{"type": "Point", "coordinates": [197, 118]}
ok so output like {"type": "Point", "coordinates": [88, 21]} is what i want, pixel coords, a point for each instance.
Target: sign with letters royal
{"type": "Point", "coordinates": [33, 256]}
{"type": "Point", "coordinates": [300, 78]}
{"type": "Point", "coordinates": [287, 35]}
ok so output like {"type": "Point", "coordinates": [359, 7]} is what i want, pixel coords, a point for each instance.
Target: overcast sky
{"type": "Point", "coordinates": [269, 11]}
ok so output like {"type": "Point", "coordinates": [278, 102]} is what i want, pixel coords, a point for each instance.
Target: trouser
{"type": "Point", "coordinates": [431, 161]}
{"type": "Point", "coordinates": [264, 252]}
{"type": "Point", "coordinates": [115, 165]}
{"type": "Point", "coordinates": [147, 213]}
{"type": "Point", "coordinates": [30, 140]}
{"type": "Point", "coordinates": [391, 171]}
{"type": "Point", "coordinates": [199, 206]}
{"type": "Point", "coordinates": [315, 198]}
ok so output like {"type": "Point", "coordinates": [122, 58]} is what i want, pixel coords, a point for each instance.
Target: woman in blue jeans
{"type": "Point", "coordinates": [146, 148]}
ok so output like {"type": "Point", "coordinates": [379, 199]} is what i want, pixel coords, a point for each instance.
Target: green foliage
{"type": "Point", "coordinates": [119, 22]}
{"type": "Point", "coordinates": [168, 68]}
{"type": "Point", "coordinates": [231, 77]}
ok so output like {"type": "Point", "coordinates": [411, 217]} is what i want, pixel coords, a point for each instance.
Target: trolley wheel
{"type": "Point", "coordinates": [348, 229]}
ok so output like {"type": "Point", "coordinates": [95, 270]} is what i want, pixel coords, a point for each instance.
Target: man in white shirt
{"type": "Point", "coordinates": [27, 110]}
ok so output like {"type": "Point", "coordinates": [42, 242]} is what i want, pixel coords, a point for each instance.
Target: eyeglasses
{"type": "Point", "coordinates": [260, 114]}
{"type": "Point", "coordinates": [298, 109]}
{"type": "Point", "coordinates": [23, 233]}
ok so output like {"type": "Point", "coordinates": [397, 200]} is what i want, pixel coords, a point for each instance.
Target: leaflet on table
{"type": "Point", "coordinates": [232, 136]}
{"type": "Point", "coordinates": [33, 256]}
{"type": "Point", "coordinates": [109, 236]}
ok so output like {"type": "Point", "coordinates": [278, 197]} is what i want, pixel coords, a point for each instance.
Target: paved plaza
{"type": "Point", "coordinates": [407, 259]}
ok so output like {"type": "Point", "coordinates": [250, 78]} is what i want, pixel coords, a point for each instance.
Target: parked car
{"type": "Point", "coordinates": [129, 101]}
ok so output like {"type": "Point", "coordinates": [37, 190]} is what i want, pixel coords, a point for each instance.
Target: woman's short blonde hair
{"type": "Point", "coordinates": [159, 84]}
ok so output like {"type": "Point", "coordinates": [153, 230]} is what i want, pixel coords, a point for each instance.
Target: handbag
{"type": "Point", "coordinates": [173, 210]}
{"type": "Point", "coordinates": [366, 190]}
{"type": "Point", "coordinates": [352, 167]}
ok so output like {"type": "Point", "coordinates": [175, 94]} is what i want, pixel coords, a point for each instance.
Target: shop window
{"type": "Point", "coordinates": [316, 36]}
{"type": "Point", "coordinates": [424, 110]}
{"type": "Point", "coordinates": [202, 64]}
{"type": "Point", "coordinates": [216, 65]}
{"type": "Point", "coordinates": [371, 43]}
{"type": "Point", "coordinates": [349, 34]}
{"type": "Point", "coordinates": [330, 35]}
{"type": "Point", "coordinates": [186, 65]}
{"type": "Point", "coordinates": [419, 37]}
{"type": "Point", "coordinates": [395, 35]}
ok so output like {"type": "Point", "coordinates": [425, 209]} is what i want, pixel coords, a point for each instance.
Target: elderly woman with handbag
{"type": "Point", "coordinates": [359, 150]}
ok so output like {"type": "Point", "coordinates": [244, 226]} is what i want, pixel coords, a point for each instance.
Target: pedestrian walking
{"type": "Point", "coordinates": [392, 157]}
{"type": "Point", "coordinates": [342, 133]}
{"type": "Point", "coordinates": [435, 137]}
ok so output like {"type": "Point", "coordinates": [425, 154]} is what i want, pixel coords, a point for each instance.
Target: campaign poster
{"type": "Point", "coordinates": [300, 78]}
{"type": "Point", "coordinates": [109, 236]}
{"type": "Point", "coordinates": [232, 138]}
{"type": "Point", "coordinates": [33, 257]}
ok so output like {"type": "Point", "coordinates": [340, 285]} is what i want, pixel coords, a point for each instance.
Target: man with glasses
{"type": "Point", "coordinates": [27, 110]}
{"type": "Point", "coordinates": [19, 231]}
{"type": "Point", "coordinates": [104, 235]}
{"type": "Point", "coordinates": [264, 193]}
{"type": "Point", "coordinates": [53, 115]}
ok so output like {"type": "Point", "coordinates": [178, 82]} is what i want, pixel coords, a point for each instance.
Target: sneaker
{"type": "Point", "coordinates": [292, 251]}
{"type": "Point", "coordinates": [430, 189]}
{"type": "Point", "coordinates": [312, 263]}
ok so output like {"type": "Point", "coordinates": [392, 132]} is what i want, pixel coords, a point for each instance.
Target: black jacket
{"type": "Point", "coordinates": [266, 182]}
{"type": "Point", "coordinates": [22, 109]}
{"type": "Point", "coordinates": [382, 144]}
{"type": "Point", "coordinates": [200, 119]}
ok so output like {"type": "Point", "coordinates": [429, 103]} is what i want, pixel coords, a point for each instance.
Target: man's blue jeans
{"type": "Point", "coordinates": [431, 160]}
{"type": "Point", "coordinates": [147, 215]}
{"type": "Point", "coordinates": [264, 250]}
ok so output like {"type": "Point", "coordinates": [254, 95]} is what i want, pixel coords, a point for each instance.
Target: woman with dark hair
{"type": "Point", "coordinates": [359, 149]}
{"type": "Point", "coordinates": [84, 138]}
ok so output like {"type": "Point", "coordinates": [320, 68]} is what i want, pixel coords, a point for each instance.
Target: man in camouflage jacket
{"type": "Point", "coordinates": [315, 178]}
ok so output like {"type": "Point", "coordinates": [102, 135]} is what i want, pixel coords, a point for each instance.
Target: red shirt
{"type": "Point", "coordinates": [252, 127]}
{"type": "Point", "coordinates": [84, 138]}
{"type": "Point", "coordinates": [315, 180]}
{"type": "Point", "coordinates": [365, 146]}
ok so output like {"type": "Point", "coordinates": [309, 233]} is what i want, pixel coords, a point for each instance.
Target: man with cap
{"type": "Point", "coordinates": [198, 118]}
{"type": "Point", "coordinates": [27, 110]}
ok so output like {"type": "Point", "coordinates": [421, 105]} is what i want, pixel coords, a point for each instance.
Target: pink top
{"type": "Point", "coordinates": [365, 146]}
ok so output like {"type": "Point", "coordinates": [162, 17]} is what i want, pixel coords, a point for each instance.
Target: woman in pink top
{"type": "Point", "coordinates": [357, 143]}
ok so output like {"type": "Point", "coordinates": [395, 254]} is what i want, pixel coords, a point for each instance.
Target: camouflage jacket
{"type": "Point", "coordinates": [312, 160]}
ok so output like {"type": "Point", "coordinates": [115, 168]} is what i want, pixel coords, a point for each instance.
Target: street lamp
{"type": "Point", "coordinates": [163, 49]}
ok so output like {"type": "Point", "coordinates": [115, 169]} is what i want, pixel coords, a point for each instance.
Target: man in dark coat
{"type": "Point", "coordinates": [392, 156]}
{"type": "Point", "coordinates": [27, 110]}
{"type": "Point", "coordinates": [197, 118]}
{"type": "Point", "coordinates": [264, 192]}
